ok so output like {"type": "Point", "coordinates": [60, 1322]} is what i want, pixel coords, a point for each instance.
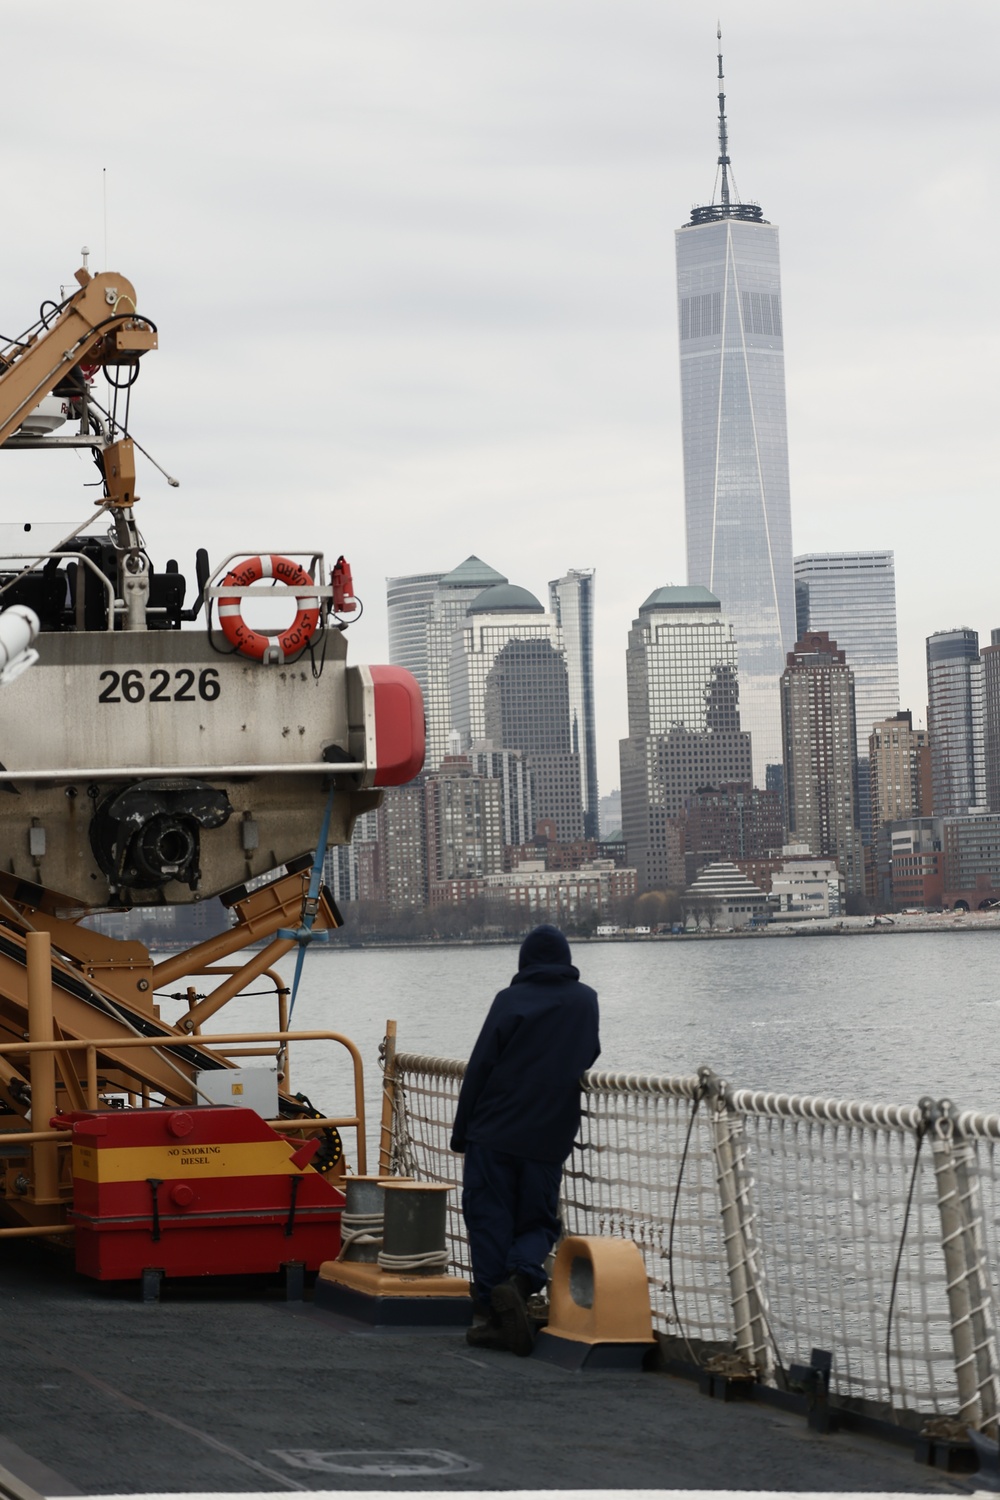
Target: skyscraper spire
{"type": "Point", "coordinates": [729, 206]}
{"type": "Point", "coordinates": [723, 140]}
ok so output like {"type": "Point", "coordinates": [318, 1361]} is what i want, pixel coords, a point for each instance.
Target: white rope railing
{"type": "Point", "coordinates": [771, 1224]}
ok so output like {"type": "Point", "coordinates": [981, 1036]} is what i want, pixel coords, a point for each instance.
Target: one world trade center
{"type": "Point", "coordinates": [739, 533]}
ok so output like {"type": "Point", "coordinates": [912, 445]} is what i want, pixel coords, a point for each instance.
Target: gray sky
{"type": "Point", "coordinates": [412, 263]}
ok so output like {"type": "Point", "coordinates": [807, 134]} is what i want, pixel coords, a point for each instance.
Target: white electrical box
{"type": "Point", "coordinates": [250, 1088]}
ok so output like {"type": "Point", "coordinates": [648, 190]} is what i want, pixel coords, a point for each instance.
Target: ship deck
{"type": "Point", "coordinates": [211, 1388]}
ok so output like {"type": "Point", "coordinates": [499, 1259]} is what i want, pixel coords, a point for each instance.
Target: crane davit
{"type": "Point", "coordinates": [157, 750]}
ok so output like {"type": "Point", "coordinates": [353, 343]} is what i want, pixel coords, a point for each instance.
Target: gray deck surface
{"type": "Point", "coordinates": [206, 1390]}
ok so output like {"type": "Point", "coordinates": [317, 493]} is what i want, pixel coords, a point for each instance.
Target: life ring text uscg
{"type": "Point", "coordinates": [253, 643]}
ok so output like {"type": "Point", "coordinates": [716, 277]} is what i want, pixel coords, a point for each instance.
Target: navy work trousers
{"type": "Point", "coordinates": [511, 1209]}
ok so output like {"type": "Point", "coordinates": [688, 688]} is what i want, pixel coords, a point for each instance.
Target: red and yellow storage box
{"type": "Point", "coordinates": [206, 1191]}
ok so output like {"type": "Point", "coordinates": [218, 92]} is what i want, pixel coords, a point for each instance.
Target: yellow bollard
{"type": "Point", "coordinates": [599, 1312]}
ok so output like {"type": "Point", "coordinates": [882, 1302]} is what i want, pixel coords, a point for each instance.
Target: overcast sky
{"type": "Point", "coordinates": [412, 262]}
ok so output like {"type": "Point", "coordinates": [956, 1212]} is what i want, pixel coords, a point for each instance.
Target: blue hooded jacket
{"type": "Point", "coordinates": [521, 1091]}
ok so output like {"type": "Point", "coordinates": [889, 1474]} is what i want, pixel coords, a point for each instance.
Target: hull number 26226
{"type": "Point", "coordinates": [182, 686]}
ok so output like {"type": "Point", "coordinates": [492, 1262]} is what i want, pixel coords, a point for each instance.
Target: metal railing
{"type": "Point", "coordinates": [46, 1144]}
{"type": "Point", "coordinates": [771, 1224]}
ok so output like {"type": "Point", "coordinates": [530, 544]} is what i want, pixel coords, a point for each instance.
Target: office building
{"type": "Point", "coordinates": [409, 601]}
{"type": "Point", "coordinates": [571, 602]}
{"type": "Point", "coordinates": [494, 617]}
{"type": "Point", "coordinates": [820, 754]}
{"type": "Point", "coordinates": [955, 721]}
{"type": "Point", "coordinates": [736, 493]}
{"type": "Point", "coordinates": [526, 708]}
{"type": "Point", "coordinates": [852, 596]}
{"type": "Point", "coordinates": [684, 725]}
{"type": "Point", "coordinates": [425, 610]}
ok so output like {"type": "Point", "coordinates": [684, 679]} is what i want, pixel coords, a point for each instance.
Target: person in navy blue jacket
{"type": "Point", "coordinates": [517, 1118]}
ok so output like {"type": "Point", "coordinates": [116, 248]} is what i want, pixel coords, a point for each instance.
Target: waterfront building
{"type": "Point", "coordinates": [571, 603]}
{"type": "Point", "coordinates": [736, 492]}
{"type": "Point", "coordinates": [738, 823]}
{"type": "Point", "coordinates": [955, 721]}
{"type": "Point", "coordinates": [533, 894]}
{"type": "Point", "coordinates": [804, 886]}
{"type": "Point", "coordinates": [820, 754]}
{"type": "Point", "coordinates": [723, 897]}
{"type": "Point", "coordinates": [852, 596]}
{"type": "Point", "coordinates": [684, 725]}
{"type": "Point", "coordinates": [916, 862]}
{"type": "Point", "coordinates": [971, 849]}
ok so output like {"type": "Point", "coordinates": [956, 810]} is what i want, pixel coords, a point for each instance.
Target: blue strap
{"type": "Point", "coordinates": [304, 935]}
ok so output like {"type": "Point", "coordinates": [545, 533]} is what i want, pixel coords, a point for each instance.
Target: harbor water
{"type": "Point", "coordinates": [886, 1017]}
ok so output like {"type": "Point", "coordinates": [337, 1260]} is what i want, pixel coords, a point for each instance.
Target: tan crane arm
{"type": "Point", "coordinates": [98, 321]}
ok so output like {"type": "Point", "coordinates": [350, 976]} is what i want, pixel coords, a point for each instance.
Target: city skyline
{"type": "Point", "coordinates": [481, 319]}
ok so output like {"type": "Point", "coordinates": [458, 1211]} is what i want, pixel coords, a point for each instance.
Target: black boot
{"type": "Point", "coordinates": [486, 1333]}
{"type": "Point", "coordinates": [509, 1302]}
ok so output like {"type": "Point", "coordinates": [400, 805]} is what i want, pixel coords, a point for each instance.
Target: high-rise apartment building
{"type": "Point", "coordinates": [571, 601]}
{"type": "Point", "coordinates": [820, 754]}
{"type": "Point", "coordinates": [852, 596]}
{"type": "Point", "coordinates": [684, 725]}
{"type": "Point", "coordinates": [736, 493]}
{"type": "Point", "coordinates": [517, 789]}
{"type": "Point", "coordinates": [463, 822]}
{"type": "Point", "coordinates": [991, 721]}
{"type": "Point", "coordinates": [899, 770]}
{"type": "Point", "coordinates": [955, 721]}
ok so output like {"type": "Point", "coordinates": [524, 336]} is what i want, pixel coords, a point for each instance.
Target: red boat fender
{"type": "Point", "coordinates": [398, 752]}
{"type": "Point", "coordinates": [251, 642]}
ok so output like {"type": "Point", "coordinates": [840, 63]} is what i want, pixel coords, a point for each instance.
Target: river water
{"type": "Point", "coordinates": [881, 1016]}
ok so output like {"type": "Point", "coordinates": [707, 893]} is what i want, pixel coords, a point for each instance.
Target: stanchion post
{"type": "Point", "coordinates": [743, 1263]}
{"type": "Point", "coordinates": [388, 1100]}
{"type": "Point", "coordinates": [970, 1299]}
{"type": "Point", "coordinates": [44, 1154]}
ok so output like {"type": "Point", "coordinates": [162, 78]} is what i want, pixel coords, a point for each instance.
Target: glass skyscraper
{"type": "Point", "coordinates": [571, 600]}
{"type": "Point", "coordinates": [736, 494]}
{"type": "Point", "coordinates": [955, 721]}
{"type": "Point", "coordinates": [852, 596]}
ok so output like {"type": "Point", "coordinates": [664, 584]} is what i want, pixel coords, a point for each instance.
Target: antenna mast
{"type": "Point", "coordinates": [723, 137]}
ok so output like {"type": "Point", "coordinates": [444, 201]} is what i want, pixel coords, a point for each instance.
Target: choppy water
{"type": "Point", "coordinates": [879, 1016]}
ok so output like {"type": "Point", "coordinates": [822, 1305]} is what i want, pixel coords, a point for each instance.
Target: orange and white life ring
{"type": "Point", "coordinates": [253, 643]}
